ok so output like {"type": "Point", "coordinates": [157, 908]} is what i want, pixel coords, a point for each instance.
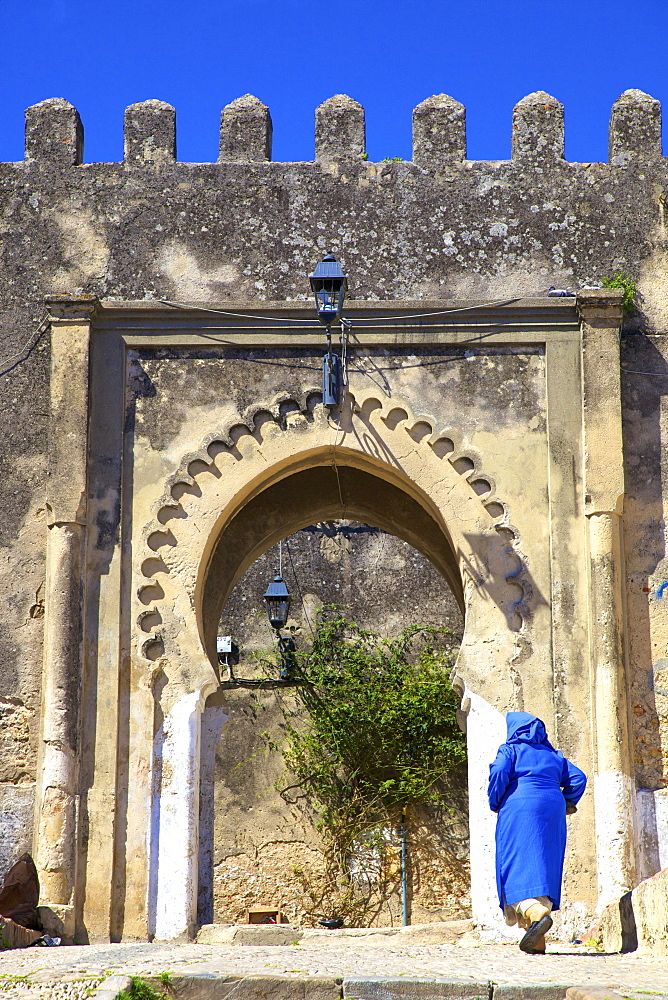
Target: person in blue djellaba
{"type": "Point", "coordinates": [532, 787]}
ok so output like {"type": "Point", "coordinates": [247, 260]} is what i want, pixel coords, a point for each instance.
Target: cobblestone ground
{"type": "Point", "coordinates": [72, 973]}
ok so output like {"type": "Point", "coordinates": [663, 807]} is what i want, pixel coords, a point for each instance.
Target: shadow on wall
{"type": "Point", "coordinates": [645, 471]}
{"type": "Point", "coordinates": [501, 575]}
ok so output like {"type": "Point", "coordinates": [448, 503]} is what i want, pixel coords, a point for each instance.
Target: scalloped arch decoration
{"type": "Point", "coordinates": [272, 440]}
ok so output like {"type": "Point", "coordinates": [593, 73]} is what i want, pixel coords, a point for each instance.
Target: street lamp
{"type": "Point", "coordinates": [329, 285]}
{"type": "Point", "coordinates": [277, 598]}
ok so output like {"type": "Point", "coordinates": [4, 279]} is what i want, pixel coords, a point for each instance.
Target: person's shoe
{"type": "Point", "coordinates": [539, 947]}
{"type": "Point", "coordinates": [535, 936]}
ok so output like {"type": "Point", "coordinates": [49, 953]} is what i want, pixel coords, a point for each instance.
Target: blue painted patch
{"type": "Point", "coordinates": [662, 588]}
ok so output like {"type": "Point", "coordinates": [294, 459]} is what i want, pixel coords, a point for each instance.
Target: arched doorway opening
{"type": "Point", "coordinates": [262, 844]}
{"type": "Point", "coordinates": [324, 491]}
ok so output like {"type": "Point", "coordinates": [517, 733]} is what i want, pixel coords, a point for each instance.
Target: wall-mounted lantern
{"type": "Point", "coordinates": [277, 598]}
{"type": "Point", "coordinates": [329, 285]}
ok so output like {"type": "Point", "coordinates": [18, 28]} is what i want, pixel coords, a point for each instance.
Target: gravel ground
{"type": "Point", "coordinates": [72, 973]}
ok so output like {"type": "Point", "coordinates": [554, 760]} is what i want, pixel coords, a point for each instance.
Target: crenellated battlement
{"type": "Point", "coordinates": [54, 131]}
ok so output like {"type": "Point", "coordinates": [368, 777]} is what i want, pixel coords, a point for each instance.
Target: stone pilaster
{"type": "Point", "coordinates": [601, 316]}
{"type": "Point", "coordinates": [57, 786]}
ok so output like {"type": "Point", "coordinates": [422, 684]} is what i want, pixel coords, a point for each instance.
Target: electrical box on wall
{"type": "Point", "coordinates": [227, 650]}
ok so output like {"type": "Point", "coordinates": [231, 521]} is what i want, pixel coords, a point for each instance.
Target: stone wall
{"type": "Point", "coordinates": [375, 578]}
{"type": "Point", "coordinates": [246, 228]}
{"type": "Point", "coordinates": [266, 850]}
{"type": "Point", "coordinates": [646, 427]}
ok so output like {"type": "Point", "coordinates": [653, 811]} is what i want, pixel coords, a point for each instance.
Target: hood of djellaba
{"type": "Point", "coordinates": [525, 728]}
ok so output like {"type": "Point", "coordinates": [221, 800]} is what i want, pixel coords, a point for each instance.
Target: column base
{"type": "Point", "coordinates": [58, 920]}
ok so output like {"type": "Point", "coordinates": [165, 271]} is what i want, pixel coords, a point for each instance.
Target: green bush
{"type": "Point", "coordinates": [628, 286]}
{"type": "Point", "coordinates": [375, 727]}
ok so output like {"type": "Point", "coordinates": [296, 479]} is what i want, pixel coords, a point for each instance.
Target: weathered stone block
{"type": "Point", "coordinates": [245, 130]}
{"type": "Point", "coordinates": [546, 991]}
{"type": "Point", "coordinates": [208, 987]}
{"type": "Point", "coordinates": [216, 934]}
{"type": "Point", "coordinates": [639, 920]}
{"type": "Point", "coordinates": [266, 934]}
{"type": "Point", "coordinates": [439, 130]}
{"type": "Point", "coordinates": [538, 127]}
{"type": "Point", "coordinates": [403, 988]}
{"type": "Point", "coordinates": [650, 909]}
{"type": "Point", "coordinates": [15, 936]}
{"type": "Point", "coordinates": [339, 129]}
{"type": "Point", "coordinates": [110, 987]}
{"type": "Point", "coordinates": [54, 133]}
{"type": "Point", "coordinates": [257, 934]}
{"type": "Point", "coordinates": [590, 993]}
{"type": "Point", "coordinates": [635, 128]}
{"type": "Point", "coordinates": [444, 932]}
{"type": "Point", "coordinates": [150, 133]}
{"type": "Point", "coordinates": [17, 803]}
{"type": "Point", "coordinates": [58, 921]}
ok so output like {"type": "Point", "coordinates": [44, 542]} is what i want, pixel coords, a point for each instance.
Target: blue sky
{"type": "Point", "coordinates": [293, 54]}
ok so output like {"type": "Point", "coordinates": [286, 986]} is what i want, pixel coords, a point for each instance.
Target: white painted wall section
{"type": "Point", "coordinates": [174, 834]}
{"type": "Point", "coordinates": [613, 805]}
{"type": "Point", "coordinates": [485, 732]}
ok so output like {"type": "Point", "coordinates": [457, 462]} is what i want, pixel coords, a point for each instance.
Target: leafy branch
{"type": "Point", "coordinates": [373, 731]}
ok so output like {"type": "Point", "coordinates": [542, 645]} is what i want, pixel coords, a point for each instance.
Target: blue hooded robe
{"type": "Point", "coordinates": [529, 783]}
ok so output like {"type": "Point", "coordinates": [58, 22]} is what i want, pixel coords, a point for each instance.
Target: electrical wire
{"type": "Point", "coordinates": [34, 338]}
{"type": "Point", "coordinates": [337, 426]}
{"type": "Point", "coordinates": [438, 312]}
{"type": "Point", "coordinates": [634, 371]}
{"type": "Point", "coordinates": [360, 319]}
{"type": "Point", "coordinates": [423, 364]}
{"type": "Point", "coordinates": [281, 364]}
{"type": "Point", "coordinates": [235, 315]}
{"type": "Point", "coordinates": [299, 589]}
{"type": "Point", "coordinates": [336, 472]}
{"type": "Point", "coordinates": [28, 347]}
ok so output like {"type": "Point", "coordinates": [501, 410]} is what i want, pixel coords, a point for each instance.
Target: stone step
{"type": "Point", "coordinates": [445, 932]}
{"type": "Point", "coordinates": [212, 987]}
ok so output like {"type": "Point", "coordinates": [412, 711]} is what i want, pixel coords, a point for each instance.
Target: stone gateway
{"type": "Point", "coordinates": [164, 426]}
